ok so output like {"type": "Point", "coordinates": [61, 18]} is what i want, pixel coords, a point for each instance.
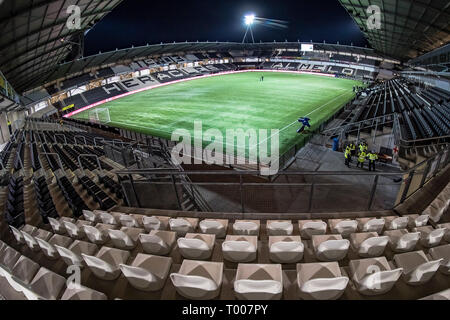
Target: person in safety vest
{"type": "Point", "coordinates": [352, 150]}
{"type": "Point", "coordinates": [372, 158]}
{"type": "Point", "coordinates": [348, 157]}
{"type": "Point", "coordinates": [361, 159]}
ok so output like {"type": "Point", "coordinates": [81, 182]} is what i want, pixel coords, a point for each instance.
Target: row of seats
{"type": "Point", "coordinates": [97, 193]}
{"type": "Point", "coordinates": [439, 205]}
{"type": "Point", "coordinates": [46, 205]}
{"type": "Point", "coordinates": [15, 212]}
{"type": "Point", "coordinates": [72, 197]}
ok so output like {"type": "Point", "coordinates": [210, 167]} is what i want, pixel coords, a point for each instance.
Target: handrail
{"type": "Point", "coordinates": [82, 137]}
{"type": "Point", "coordinates": [54, 154]}
{"type": "Point", "coordinates": [61, 135]}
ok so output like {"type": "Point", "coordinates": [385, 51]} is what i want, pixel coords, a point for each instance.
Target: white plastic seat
{"type": "Point", "coordinates": [180, 226]}
{"type": "Point", "coordinates": [31, 240]}
{"type": "Point", "coordinates": [330, 247]}
{"type": "Point", "coordinates": [440, 296]}
{"type": "Point", "coordinates": [198, 280]}
{"type": "Point", "coordinates": [9, 257]}
{"type": "Point", "coordinates": [343, 227]}
{"type": "Point", "coordinates": [279, 228]}
{"type": "Point", "coordinates": [83, 293]}
{"type": "Point", "coordinates": [320, 281]}
{"type": "Point", "coordinates": [418, 221]}
{"type": "Point", "coordinates": [121, 240]}
{"type": "Point", "coordinates": [442, 252]}
{"type": "Point", "coordinates": [74, 230]}
{"type": "Point", "coordinates": [25, 269]}
{"type": "Point", "coordinates": [158, 242]}
{"type": "Point", "coordinates": [285, 249]}
{"type": "Point", "coordinates": [147, 273]}
{"type": "Point", "coordinates": [373, 225]}
{"type": "Point", "coordinates": [57, 226]}
{"type": "Point", "coordinates": [107, 218]}
{"type": "Point", "coordinates": [401, 240]}
{"type": "Point", "coordinates": [417, 269]}
{"type": "Point", "coordinates": [72, 255]}
{"type": "Point", "coordinates": [90, 216]}
{"type": "Point", "coordinates": [259, 282]}
{"type": "Point", "coordinates": [105, 265]}
{"type": "Point", "coordinates": [17, 235]}
{"type": "Point", "coordinates": [196, 247]}
{"type": "Point", "coordinates": [430, 237]}
{"type": "Point", "coordinates": [239, 250]}
{"type": "Point", "coordinates": [49, 249]}
{"type": "Point", "coordinates": [398, 223]}
{"type": "Point", "coordinates": [216, 227]}
{"type": "Point", "coordinates": [95, 236]}
{"type": "Point", "coordinates": [128, 221]}
{"type": "Point", "coordinates": [152, 223]}
{"type": "Point", "coordinates": [312, 228]}
{"type": "Point", "coordinates": [48, 284]}
{"type": "Point", "coordinates": [374, 276]}
{"type": "Point", "coordinates": [373, 247]}
{"type": "Point", "coordinates": [246, 228]}
{"type": "Point", "coordinates": [445, 226]}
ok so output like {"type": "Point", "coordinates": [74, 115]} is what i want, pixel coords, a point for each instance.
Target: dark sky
{"type": "Point", "coordinates": [138, 22]}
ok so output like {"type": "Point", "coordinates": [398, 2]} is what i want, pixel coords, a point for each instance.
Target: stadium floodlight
{"type": "Point", "coordinates": [249, 19]}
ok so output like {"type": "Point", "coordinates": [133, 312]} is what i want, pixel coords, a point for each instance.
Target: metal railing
{"type": "Point", "coordinates": [318, 192]}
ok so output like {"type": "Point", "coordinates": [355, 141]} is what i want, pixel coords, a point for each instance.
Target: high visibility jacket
{"type": "Point", "coordinates": [347, 153]}
{"type": "Point", "coordinates": [361, 148]}
{"type": "Point", "coordinates": [373, 156]}
{"type": "Point", "coordinates": [352, 147]}
{"type": "Point", "coordinates": [362, 157]}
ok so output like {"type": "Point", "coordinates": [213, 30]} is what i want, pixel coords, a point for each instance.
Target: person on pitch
{"type": "Point", "coordinates": [305, 122]}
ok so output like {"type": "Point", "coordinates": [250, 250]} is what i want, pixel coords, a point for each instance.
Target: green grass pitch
{"type": "Point", "coordinates": [233, 101]}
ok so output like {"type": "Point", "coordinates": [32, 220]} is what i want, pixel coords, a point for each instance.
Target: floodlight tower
{"type": "Point", "coordinates": [249, 20]}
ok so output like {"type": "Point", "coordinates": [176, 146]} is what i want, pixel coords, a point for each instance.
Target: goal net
{"type": "Point", "coordinates": [99, 115]}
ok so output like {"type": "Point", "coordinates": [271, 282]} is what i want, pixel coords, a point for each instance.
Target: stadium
{"type": "Point", "coordinates": [224, 170]}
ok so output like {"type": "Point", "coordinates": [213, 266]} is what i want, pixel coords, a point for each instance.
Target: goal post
{"type": "Point", "coordinates": [99, 115]}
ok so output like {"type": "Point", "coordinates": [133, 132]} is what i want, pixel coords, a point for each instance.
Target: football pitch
{"type": "Point", "coordinates": [232, 101]}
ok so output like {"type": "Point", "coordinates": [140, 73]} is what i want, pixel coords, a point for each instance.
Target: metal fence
{"type": "Point", "coordinates": [246, 192]}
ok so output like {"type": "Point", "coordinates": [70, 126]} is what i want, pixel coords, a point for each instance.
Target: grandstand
{"type": "Point", "coordinates": [89, 181]}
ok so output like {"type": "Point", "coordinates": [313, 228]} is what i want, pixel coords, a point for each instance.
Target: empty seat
{"type": "Point", "coordinates": [75, 230]}
{"type": "Point", "coordinates": [105, 264]}
{"type": "Point", "coordinates": [48, 284]}
{"type": "Point", "coordinates": [158, 242]}
{"type": "Point", "coordinates": [395, 223]}
{"type": "Point", "coordinates": [183, 225]}
{"type": "Point", "coordinates": [196, 246]}
{"type": "Point", "coordinates": [155, 223]}
{"type": "Point", "coordinates": [309, 228]}
{"type": "Point", "coordinates": [259, 282]}
{"type": "Point", "coordinates": [147, 272]}
{"type": "Point", "coordinates": [401, 240]}
{"type": "Point", "coordinates": [368, 244]}
{"type": "Point", "coordinates": [95, 235]}
{"type": "Point", "coordinates": [443, 295]}
{"type": "Point", "coordinates": [320, 281]}
{"type": "Point", "coordinates": [430, 237]}
{"type": "Point", "coordinates": [442, 252]}
{"type": "Point", "coordinates": [108, 218]}
{"type": "Point", "coordinates": [72, 255]}
{"type": "Point", "coordinates": [25, 269]}
{"type": "Point", "coordinates": [279, 228]}
{"type": "Point", "coordinates": [31, 240]}
{"type": "Point", "coordinates": [90, 216]}
{"type": "Point", "coordinates": [286, 249]}
{"type": "Point", "coordinates": [125, 238]}
{"type": "Point", "coordinates": [371, 225]}
{"type": "Point", "coordinates": [246, 227]}
{"type": "Point", "coordinates": [417, 269]}
{"type": "Point", "coordinates": [9, 257]}
{"type": "Point", "coordinates": [17, 235]}
{"type": "Point", "coordinates": [373, 276]}
{"type": "Point", "coordinates": [415, 220]}
{"type": "Point", "coordinates": [240, 248]}
{"type": "Point", "coordinates": [218, 227]}
{"type": "Point", "coordinates": [198, 280]}
{"type": "Point", "coordinates": [445, 226]}
{"type": "Point", "coordinates": [129, 221]}
{"type": "Point", "coordinates": [344, 227]}
{"type": "Point", "coordinates": [330, 247]}
{"type": "Point", "coordinates": [49, 249]}
{"type": "Point", "coordinates": [83, 293]}
{"type": "Point", "coordinates": [58, 225]}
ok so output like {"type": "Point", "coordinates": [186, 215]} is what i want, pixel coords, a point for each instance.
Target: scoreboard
{"type": "Point", "coordinates": [307, 47]}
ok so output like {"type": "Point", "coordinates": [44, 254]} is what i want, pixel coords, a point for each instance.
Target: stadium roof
{"type": "Point", "coordinates": [409, 28]}
{"type": "Point", "coordinates": [118, 56]}
{"type": "Point", "coordinates": [31, 33]}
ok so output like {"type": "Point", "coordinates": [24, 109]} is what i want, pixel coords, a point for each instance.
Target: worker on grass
{"type": "Point", "coordinates": [305, 122]}
{"type": "Point", "coordinates": [372, 158]}
{"type": "Point", "coordinates": [361, 159]}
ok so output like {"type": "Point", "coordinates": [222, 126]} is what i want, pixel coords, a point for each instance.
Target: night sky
{"type": "Point", "coordinates": [138, 22]}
